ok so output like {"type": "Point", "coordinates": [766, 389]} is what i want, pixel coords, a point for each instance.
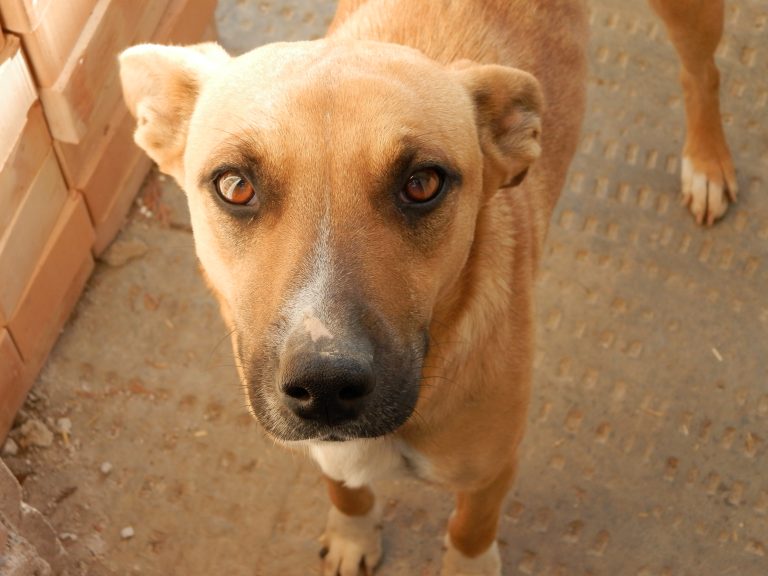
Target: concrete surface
{"type": "Point", "coordinates": [646, 453]}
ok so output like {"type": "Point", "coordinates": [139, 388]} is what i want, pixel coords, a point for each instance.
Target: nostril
{"type": "Point", "coordinates": [298, 393]}
{"type": "Point", "coordinates": [330, 390]}
{"type": "Point", "coordinates": [353, 392]}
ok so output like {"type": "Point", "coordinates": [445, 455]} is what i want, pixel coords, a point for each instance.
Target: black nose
{"type": "Point", "coordinates": [327, 388]}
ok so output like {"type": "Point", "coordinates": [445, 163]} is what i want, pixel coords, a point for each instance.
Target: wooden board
{"type": "Point", "coordinates": [185, 22]}
{"type": "Point", "coordinates": [114, 218]}
{"type": "Point", "coordinates": [118, 158]}
{"type": "Point", "coordinates": [23, 163]}
{"type": "Point", "coordinates": [89, 80]}
{"type": "Point", "coordinates": [49, 45]}
{"type": "Point", "coordinates": [23, 16]}
{"type": "Point", "coordinates": [24, 239]}
{"type": "Point", "coordinates": [115, 183]}
{"type": "Point", "coordinates": [18, 95]}
{"type": "Point", "coordinates": [13, 389]}
{"type": "Point", "coordinates": [79, 161]}
{"type": "Point", "coordinates": [56, 284]}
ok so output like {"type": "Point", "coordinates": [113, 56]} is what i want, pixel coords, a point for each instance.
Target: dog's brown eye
{"type": "Point", "coordinates": [235, 188]}
{"type": "Point", "coordinates": [422, 186]}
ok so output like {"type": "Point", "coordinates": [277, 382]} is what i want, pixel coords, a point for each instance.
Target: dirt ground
{"type": "Point", "coordinates": [646, 453]}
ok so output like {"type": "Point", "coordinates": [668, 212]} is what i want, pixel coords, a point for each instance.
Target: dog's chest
{"type": "Point", "coordinates": [359, 462]}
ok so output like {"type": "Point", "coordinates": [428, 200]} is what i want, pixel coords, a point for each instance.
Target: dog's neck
{"type": "Point", "coordinates": [466, 317]}
{"type": "Point", "coordinates": [400, 23]}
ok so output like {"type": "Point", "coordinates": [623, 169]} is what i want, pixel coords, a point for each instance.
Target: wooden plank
{"type": "Point", "coordinates": [56, 284]}
{"type": "Point", "coordinates": [115, 216]}
{"type": "Point", "coordinates": [18, 92]}
{"type": "Point", "coordinates": [23, 241]}
{"type": "Point", "coordinates": [50, 44]}
{"type": "Point", "coordinates": [31, 367]}
{"type": "Point", "coordinates": [79, 161]}
{"type": "Point", "coordinates": [119, 157]}
{"type": "Point", "coordinates": [23, 16]}
{"type": "Point", "coordinates": [23, 163]}
{"type": "Point", "coordinates": [89, 80]}
{"type": "Point", "coordinates": [186, 22]}
{"type": "Point", "coordinates": [115, 183]}
{"type": "Point", "coordinates": [13, 388]}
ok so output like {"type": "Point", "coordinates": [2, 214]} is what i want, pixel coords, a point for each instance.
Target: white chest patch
{"type": "Point", "coordinates": [359, 462]}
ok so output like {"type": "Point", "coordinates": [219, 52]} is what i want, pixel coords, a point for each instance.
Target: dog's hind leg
{"type": "Point", "coordinates": [708, 177]}
{"type": "Point", "coordinates": [352, 538]}
{"type": "Point", "coordinates": [471, 539]}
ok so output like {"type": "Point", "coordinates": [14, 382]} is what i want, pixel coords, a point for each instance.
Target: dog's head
{"type": "Point", "coordinates": [334, 189]}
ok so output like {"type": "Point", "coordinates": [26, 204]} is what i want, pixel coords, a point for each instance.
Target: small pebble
{"type": "Point", "coordinates": [123, 251]}
{"type": "Point", "coordinates": [10, 447]}
{"type": "Point", "coordinates": [68, 536]}
{"type": "Point", "coordinates": [106, 468]}
{"type": "Point", "coordinates": [64, 425]}
{"type": "Point", "coordinates": [127, 533]}
{"type": "Point", "coordinates": [34, 432]}
{"type": "Point", "coordinates": [95, 544]}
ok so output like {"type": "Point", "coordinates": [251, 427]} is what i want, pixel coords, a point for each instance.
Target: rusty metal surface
{"type": "Point", "coordinates": [647, 450]}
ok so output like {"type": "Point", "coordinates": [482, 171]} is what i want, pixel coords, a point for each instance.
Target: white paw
{"type": "Point", "coordinates": [707, 189]}
{"type": "Point", "coordinates": [351, 544]}
{"type": "Point", "coordinates": [456, 564]}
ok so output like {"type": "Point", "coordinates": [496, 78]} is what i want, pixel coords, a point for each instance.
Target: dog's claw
{"type": "Point", "coordinates": [707, 187]}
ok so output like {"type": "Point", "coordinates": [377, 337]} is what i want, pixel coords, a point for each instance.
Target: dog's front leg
{"type": "Point", "coordinates": [708, 177]}
{"type": "Point", "coordinates": [471, 548]}
{"type": "Point", "coordinates": [352, 538]}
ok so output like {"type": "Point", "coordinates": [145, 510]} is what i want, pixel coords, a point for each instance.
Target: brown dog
{"type": "Point", "coordinates": [369, 213]}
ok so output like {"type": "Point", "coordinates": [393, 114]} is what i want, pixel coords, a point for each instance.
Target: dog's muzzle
{"type": "Point", "coordinates": [328, 379]}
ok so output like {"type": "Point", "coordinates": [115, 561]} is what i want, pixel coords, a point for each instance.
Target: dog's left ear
{"type": "Point", "coordinates": [161, 85]}
{"type": "Point", "coordinates": [508, 105]}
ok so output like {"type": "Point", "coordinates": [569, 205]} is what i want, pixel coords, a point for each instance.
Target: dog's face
{"type": "Point", "coordinates": [334, 190]}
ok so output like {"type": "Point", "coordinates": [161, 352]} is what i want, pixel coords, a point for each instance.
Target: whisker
{"type": "Point", "coordinates": [228, 334]}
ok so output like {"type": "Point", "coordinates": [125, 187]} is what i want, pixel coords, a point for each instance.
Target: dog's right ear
{"type": "Point", "coordinates": [161, 85]}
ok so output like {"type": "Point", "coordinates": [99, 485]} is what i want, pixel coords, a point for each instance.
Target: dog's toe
{"type": "Point", "coordinates": [352, 544]}
{"type": "Point", "coordinates": [456, 564]}
{"type": "Point", "coordinates": [707, 188]}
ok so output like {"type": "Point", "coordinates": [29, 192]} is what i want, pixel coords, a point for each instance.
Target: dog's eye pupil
{"type": "Point", "coordinates": [235, 189]}
{"type": "Point", "coordinates": [423, 185]}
